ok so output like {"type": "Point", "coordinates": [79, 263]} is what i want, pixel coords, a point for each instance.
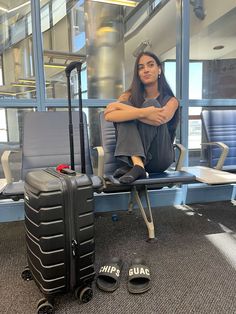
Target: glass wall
{"type": "Point", "coordinates": [17, 75]}
{"type": "Point", "coordinates": [212, 73]}
{"type": "Point", "coordinates": [62, 26]}
{"type": "Point", "coordinates": [213, 46]}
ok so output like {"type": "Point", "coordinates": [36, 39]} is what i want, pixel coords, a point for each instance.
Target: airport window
{"type": "Point", "coordinates": [195, 92]}
{"type": "Point", "coordinates": [212, 42]}
{"type": "Point", "coordinates": [58, 10]}
{"type": "Point", "coordinates": [29, 24]}
{"type": "Point", "coordinates": [212, 71]}
{"type": "Point", "coordinates": [18, 77]}
{"type": "Point", "coordinates": [18, 31]}
{"type": "Point", "coordinates": [66, 21]}
{"type": "Point", "coordinates": [154, 4]}
{"type": "Point", "coordinates": [77, 28]}
{"type": "Point", "coordinates": [45, 18]}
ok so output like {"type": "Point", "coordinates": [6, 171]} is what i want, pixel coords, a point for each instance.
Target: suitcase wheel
{"type": "Point", "coordinates": [84, 294]}
{"type": "Point", "coordinates": [26, 274]}
{"type": "Point", "coordinates": [44, 307]}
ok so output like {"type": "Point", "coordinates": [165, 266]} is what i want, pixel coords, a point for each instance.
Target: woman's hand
{"type": "Point", "coordinates": [118, 112]}
{"type": "Point", "coordinates": [154, 116]}
{"type": "Point", "coordinates": [117, 106]}
{"type": "Point", "coordinates": [157, 116]}
{"type": "Point", "coordinates": [111, 107]}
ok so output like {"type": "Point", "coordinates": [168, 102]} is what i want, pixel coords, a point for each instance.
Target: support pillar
{"type": "Point", "coordinates": [104, 29]}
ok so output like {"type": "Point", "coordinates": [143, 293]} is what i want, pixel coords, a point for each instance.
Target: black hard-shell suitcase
{"type": "Point", "coordinates": [59, 223]}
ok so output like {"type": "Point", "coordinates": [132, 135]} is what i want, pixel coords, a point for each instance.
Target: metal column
{"type": "Point", "coordinates": [105, 56]}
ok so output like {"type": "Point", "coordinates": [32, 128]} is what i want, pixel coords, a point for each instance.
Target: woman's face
{"type": "Point", "coordinates": [148, 70]}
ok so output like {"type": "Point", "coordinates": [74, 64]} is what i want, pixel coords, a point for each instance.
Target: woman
{"type": "Point", "coordinates": [145, 117]}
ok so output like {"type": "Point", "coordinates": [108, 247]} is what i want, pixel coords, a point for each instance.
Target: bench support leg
{"type": "Point", "coordinates": [131, 202]}
{"type": "Point", "coordinates": [147, 219]}
{"type": "Point", "coordinates": [233, 196]}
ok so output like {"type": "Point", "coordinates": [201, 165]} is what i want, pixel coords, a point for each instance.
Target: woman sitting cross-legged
{"type": "Point", "coordinates": [145, 117]}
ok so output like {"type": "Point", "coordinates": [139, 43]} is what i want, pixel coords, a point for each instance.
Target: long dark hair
{"type": "Point", "coordinates": [137, 88]}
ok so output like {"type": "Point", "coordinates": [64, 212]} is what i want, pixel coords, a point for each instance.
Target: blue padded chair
{"type": "Point", "coordinates": [219, 127]}
{"type": "Point", "coordinates": [107, 163]}
{"type": "Point", "coordinates": [46, 144]}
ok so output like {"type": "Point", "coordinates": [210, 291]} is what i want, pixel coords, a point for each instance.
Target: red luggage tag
{"type": "Point", "coordinates": [60, 167]}
{"type": "Point", "coordinates": [63, 168]}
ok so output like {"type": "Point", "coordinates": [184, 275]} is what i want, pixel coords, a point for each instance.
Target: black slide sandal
{"type": "Point", "coordinates": [139, 277]}
{"type": "Point", "coordinates": [108, 278]}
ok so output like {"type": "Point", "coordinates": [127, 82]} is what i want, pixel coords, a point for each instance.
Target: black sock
{"type": "Point", "coordinates": [137, 172]}
{"type": "Point", "coordinates": [121, 171]}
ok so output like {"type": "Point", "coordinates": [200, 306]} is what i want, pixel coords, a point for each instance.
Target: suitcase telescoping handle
{"type": "Point", "coordinates": [75, 65]}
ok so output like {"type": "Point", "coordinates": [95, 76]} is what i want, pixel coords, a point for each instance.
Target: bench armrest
{"type": "Point", "coordinates": [100, 152]}
{"type": "Point", "coordinates": [5, 160]}
{"type": "Point", "coordinates": [182, 153]}
{"type": "Point", "coordinates": [224, 153]}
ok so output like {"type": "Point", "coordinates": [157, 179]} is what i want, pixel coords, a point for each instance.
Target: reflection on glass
{"type": "Point", "coordinates": [213, 45]}
{"type": "Point", "coordinates": [45, 21]}
{"type": "Point", "coordinates": [195, 91]}
{"type": "Point", "coordinates": [195, 80]}
{"type": "Point", "coordinates": [212, 72]}
{"type": "Point", "coordinates": [170, 70]}
{"type": "Point", "coordinates": [16, 68]}
{"type": "Point", "coordinates": [195, 133]}
{"type": "Point", "coordinates": [63, 42]}
{"type": "Point", "coordinates": [59, 10]}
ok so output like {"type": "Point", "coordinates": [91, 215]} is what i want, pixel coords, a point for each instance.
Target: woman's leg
{"type": "Point", "coordinates": [157, 144]}
{"type": "Point", "coordinates": [161, 151]}
{"type": "Point", "coordinates": [129, 149]}
{"type": "Point", "coordinates": [140, 144]}
{"type": "Point", "coordinates": [128, 142]}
